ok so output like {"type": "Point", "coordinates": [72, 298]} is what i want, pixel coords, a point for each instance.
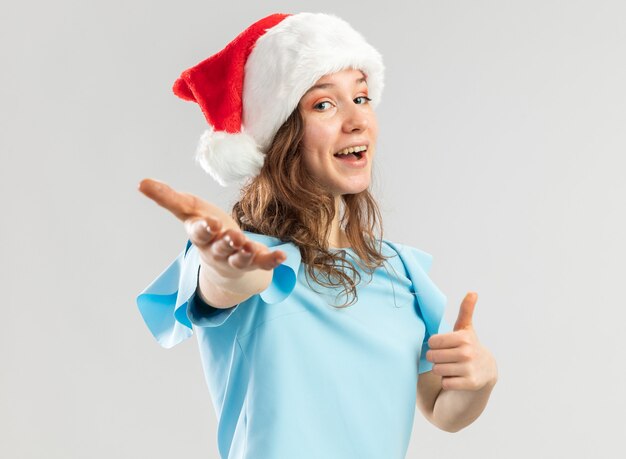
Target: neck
{"type": "Point", "coordinates": [337, 237]}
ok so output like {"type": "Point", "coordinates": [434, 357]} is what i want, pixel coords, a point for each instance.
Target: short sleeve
{"type": "Point", "coordinates": [424, 365]}
{"type": "Point", "coordinates": [170, 304]}
{"type": "Point", "coordinates": [163, 303]}
{"type": "Point", "coordinates": [430, 300]}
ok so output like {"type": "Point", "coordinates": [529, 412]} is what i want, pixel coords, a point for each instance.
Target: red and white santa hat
{"type": "Point", "coordinates": [249, 89]}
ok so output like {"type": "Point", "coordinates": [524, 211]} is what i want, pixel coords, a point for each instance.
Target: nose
{"type": "Point", "coordinates": [355, 120]}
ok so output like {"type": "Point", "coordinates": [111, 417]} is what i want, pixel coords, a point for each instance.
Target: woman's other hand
{"type": "Point", "coordinates": [458, 357]}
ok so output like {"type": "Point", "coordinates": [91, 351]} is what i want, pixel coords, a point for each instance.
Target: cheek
{"type": "Point", "coordinates": [316, 137]}
{"type": "Point", "coordinates": [310, 158]}
{"type": "Point", "coordinates": [314, 148]}
{"type": "Point", "coordinates": [373, 127]}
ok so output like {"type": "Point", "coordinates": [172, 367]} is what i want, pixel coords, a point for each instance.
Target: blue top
{"type": "Point", "coordinates": [290, 375]}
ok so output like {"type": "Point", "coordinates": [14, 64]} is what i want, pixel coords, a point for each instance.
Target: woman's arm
{"type": "Point", "coordinates": [232, 267]}
{"type": "Point", "coordinates": [224, 293]}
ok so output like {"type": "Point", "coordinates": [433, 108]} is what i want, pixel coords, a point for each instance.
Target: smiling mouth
{"type": "Point", "coordinates": [357, 155]}
{"type": "Point", "coordinates": [351, 153]}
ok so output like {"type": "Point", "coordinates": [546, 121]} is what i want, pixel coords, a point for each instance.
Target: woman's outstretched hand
{"type": "Point", "coordinates": [222, 245]}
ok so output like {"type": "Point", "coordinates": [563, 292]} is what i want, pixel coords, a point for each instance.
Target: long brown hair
{"type": "Point", "coordinates": [284, 201]}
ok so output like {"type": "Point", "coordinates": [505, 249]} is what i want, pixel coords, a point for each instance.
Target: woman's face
{"type": "Point", "coordinates": [337, 115]}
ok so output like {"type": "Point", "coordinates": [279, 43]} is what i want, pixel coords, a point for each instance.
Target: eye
{"type": "Point", "coordinates": [362, 97]}
{"type": "Point", "coordinates": [319, 106]}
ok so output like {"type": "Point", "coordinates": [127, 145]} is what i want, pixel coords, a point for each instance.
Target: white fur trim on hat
{"type": "Point", "coordinates": [229, 158]}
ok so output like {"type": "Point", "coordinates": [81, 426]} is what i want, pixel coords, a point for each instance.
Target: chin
{"type": "Point", "coordinates": [339, 186]}
{"type": "Point", "coordinates": [354, 189]}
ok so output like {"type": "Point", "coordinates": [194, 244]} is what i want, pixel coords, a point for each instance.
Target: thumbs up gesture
{"type": "Point", "coordinates": [458, 357]}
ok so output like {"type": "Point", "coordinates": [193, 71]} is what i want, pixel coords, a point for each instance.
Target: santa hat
{"type": "Point", "coordinates": [249, 89]}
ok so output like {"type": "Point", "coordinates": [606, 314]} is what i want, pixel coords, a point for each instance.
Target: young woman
{"type": "Point", "coordinates": [312, 328]}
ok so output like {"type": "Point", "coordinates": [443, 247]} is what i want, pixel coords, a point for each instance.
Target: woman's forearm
{"type": "Point", "coordinates": [221, 292]}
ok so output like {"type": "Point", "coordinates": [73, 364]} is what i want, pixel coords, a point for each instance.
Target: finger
{"type": "Point", "coordinates": [447, 340]}
{"type": "Point", "coordinates": [464, 319]}
{"type": "Point", "coordinates": [450, 369]}
{"type": "Point", "coordinates": [182, 205]}
{"type": "Point", "coordinates": [241, 259]}
{"type": "Point", "coordinates": [269, 260]}
{"type": "Point", "coordinates": [454, 383]}
{"type": "Point", "coordinates": [227, 243]}
{"type": "Point", "coordinates": [200, 232]}
{"type": "Point", "coordinates": [453, 355]}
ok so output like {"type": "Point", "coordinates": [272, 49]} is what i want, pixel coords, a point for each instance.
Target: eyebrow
{"type": "Point", "coordinates": [328, 85]}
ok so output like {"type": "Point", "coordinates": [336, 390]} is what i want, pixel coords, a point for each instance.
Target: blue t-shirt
{"type": "Point", "coordinates": [292, 375]}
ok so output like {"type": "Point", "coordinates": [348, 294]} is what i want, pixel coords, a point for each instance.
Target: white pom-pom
{"type": "Point", "coordinates": [229, 158]}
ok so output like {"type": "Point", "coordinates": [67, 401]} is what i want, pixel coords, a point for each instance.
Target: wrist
{"type": "Point", "coordinates": [222, 292]}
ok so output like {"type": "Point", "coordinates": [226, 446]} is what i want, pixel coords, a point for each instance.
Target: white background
{"type": "Point", "coordinates": [501, 152]}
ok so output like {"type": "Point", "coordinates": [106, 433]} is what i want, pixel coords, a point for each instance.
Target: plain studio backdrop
{"type": "Point", "coordinates": [501, 153]}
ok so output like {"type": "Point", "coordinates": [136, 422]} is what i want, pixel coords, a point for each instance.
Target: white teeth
{"type": "Point", "coordinates": [347, 151]}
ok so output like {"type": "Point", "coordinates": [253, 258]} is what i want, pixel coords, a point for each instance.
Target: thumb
{"type": "Point", "coordinates": [464, 320]}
